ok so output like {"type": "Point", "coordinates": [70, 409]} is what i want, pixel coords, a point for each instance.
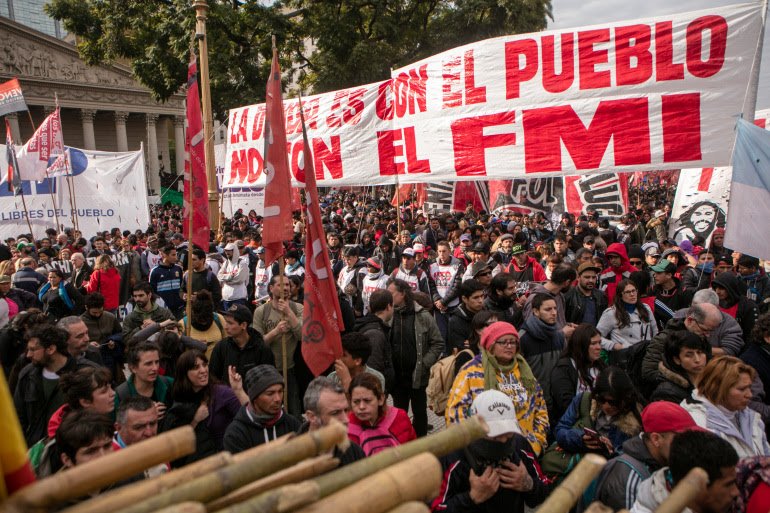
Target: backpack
{"type": "Point", "coordinates": [442, 376]}
{"type": "Point", "coordinates": [217, 321]}
{"type": "Point", "coordinates": [378, 438]}
{"type": "Point", "coordinates": [556, 463]}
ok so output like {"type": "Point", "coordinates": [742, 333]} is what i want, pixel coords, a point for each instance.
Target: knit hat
{"type": "Point", "coordinates": [496, 330]}
{"type": "Point", "coordinates": [260, 378]}
{"type": "Point", "coordinates": [374, 262]}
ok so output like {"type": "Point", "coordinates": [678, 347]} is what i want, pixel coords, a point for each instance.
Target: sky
{"type": "Point", "coordinates": [578, 13]}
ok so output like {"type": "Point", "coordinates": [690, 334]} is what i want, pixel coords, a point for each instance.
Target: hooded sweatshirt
{"type": "Point", "coordinates": [621, 478]}
{"type": "Point", "coordinates": [652, 492]}
{"type": "Point", "coordinates": [234, 275]}
{"type": "Point", "coordinates": [541, 345]}
{"type": "Point", "coordinates": [611, 276]}
{"type": "Point", "coordinates": [737, 306]}
{"type": "Point", "coordinates": [247, 430]}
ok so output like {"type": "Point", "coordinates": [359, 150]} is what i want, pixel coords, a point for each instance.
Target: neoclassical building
{"type": "Point", "coordinates": [102, 107]}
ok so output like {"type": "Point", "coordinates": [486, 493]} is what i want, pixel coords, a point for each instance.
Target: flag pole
{"type": "Point", "coordinates": [16, 174]}
{"type": "Point", "coordinates": [50, 189]}
{"type": "Point", "coordinates": [282, 276]}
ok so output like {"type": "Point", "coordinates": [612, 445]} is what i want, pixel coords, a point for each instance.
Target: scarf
{"type": "Point", "coordinates": [293, 267]}
{"type": "Point", "coordinates": [374, 276]}
{"type": "Point", "coordinates": [62, 294]}
{"type": "Point", "coordinates": [491, 367]}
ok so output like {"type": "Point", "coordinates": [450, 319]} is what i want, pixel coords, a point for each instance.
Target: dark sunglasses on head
{"type": "Point", "coordinates": [635, 262]}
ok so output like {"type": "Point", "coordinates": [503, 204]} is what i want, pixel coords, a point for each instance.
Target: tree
{"type": "Point", "coordinates": [332, 44]}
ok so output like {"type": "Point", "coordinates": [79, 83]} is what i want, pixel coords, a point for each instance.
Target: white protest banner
{"type": "Point", "coordinates": [236, 198]}
{"type": "Point", "coordinates": [702, 197]}
{"type": "Point", "coordinates": [656, 93]}
{"type": "Point", "coordinates": [110, 192]}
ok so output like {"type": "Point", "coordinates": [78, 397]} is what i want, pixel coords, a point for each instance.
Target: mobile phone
{"type": "Point", "coordinates": [591, 433]}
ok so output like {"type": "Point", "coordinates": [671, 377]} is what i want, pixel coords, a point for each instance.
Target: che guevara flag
{"type": "Point", "coordinates": [196, 202]}
{"type": "Point", "coordinates": [277, 225]}
{"type": "Point", "coordinates": [321, 318]}
{"type": "Point", "coordinates": [14, 463]}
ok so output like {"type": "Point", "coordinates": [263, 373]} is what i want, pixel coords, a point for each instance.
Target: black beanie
{"type": "Point", "coordinates": [260, 378]}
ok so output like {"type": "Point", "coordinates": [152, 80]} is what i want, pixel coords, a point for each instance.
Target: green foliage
{"type": "Point", "coordinates": [332, 44]}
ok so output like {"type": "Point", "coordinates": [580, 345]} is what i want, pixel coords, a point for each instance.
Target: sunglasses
{"type": "Point", "coordinates": [484, 274]}
{"type": "Point", "coordinates": [607, 400]}
{"type": "Point", "coordinates": [635, 262]}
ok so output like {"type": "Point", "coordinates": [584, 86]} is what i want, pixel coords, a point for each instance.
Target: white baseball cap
{"type": "Point", "coordinates": [497, 410]}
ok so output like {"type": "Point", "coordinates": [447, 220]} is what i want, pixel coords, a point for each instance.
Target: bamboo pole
{"type": "Point", "coordinates": [127, 495]}
{"type": "Point", "coordinates": [184, 507]}
{"type": "Point", "coordinates": [290, 497]}
{"type": "Point", "coordinates": [299, 472]}
{"type": "Point", "coordinates": [93, 476]}
{"type": "Point", "coordinates": [687, 489]}
{"type": "Point", "coordinates": [417, 478]}
{"type": "Point", "coordinates": [569, 491]}
{"type": "Point", "coordinates": [411, 507]}
{"type": "Point", "coordinates": [213, 485]}
{"type": "Point", "coordinates": [263, 449]}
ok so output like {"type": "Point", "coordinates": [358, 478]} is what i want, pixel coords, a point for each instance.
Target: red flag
{"type": "Point", "coordinates": [46, 142]}
{"type": "Point", "coordinates": [321, 319]}
{"type": "Point", "coordinates": [196, 202]}
{"type": "Point", "coordinates": [11, 97]}
{"type": "Point", "coordinates": [403, 192]}
{"type": "Point", "coordinates": [422, 195]}
{"type": "Point", "coordinates": [277, 226]}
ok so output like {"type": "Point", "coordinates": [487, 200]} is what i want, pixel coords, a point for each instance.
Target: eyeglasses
{"type": "Point", "coordinates": [611, 402]}
{"type": "Point", "coordinates": [485, 273]}
{"type": "Point", "coordinates": [701, 327]}
{"type": "Point", "coordinates": [508, 342]}
{"type": "Point", "coordinates": [630, 292]}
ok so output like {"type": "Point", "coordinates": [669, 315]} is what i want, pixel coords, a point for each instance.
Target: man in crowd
{"type": "Point", "coordinates": [584, 303]}
{"type": "Point", "coordinates": [669, 294]}
{"type": "Point", "coordinates": [503, 300]}
{"type": "Point", "coordinates": [145, 378]}
{"type": "Point", "coordinates": [166, 281]}
{"type": "Point", "coordinates": [145, 311]}
{"type": "Point", "coordinates": [84, 436]}
{"type": "Point", "coordinates": [26, 278]}
{"type": "Point", "coordinates": [21, 297]}
{"type": "Point", "coordinates": [244, 348]}
{"type": "Point", "coordinates": [372, 280]}
{"type": "Point", "coordinates": [472, 299]}
{"type": "Point", "coordinates": [411, 274]}
{"type": "Point", "coordinates": [234, 275]}
{"type": "Point", "coordinates": [356, 350]}
{"type": "Point", "coordinates": [136, 420]}
{"type": "Point", "coordinates": [523, 267]}
{"type": "Point", "coordinates": [203, 278]}
{"type": "Point", "coordinates": [263, 418]}
{"type": "Point", "coordinates": [560, 281]}
{"type": "Point", "coordinates": [376, 326]}
{"type": "Point", "coordinates": [619, 269]}
{"type": "Point", "coordinates": [78, 339]}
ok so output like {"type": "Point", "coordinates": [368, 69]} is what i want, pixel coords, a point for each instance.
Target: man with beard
{"type": "Point", "coordinates": [560, 281]}
{"type": "Point", "coordinates": [464, 250]}
{"type": "Point", "coordinates": [203, 278]}
{"type": "Point", "coordinates": [496, 473]}
{"type": "Point", "coordinates": [502, 299]}
{"type": "Point", "coordinates": [757, 284]}
{"type": "Point", "coordinates": [373, 279]}
{"type": "Point", "coordinates": [669, 294]}
{"type": "Point", "coordinates": [504, 251]}
{"type": "Point", "coordinates": [38, 395]}
{"type": "Point", "coordinates": [584, 303]}
{"type": "Point", "coordinates": [446, 273]}
{"type": "Point", "coordinates": [145, 312]}
{"type": "Point", "coordinates": [433, 234]}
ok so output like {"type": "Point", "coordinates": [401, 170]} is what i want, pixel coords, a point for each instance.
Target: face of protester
{"type": "Point", "coordinates": [720, 493]}
{"type": "Point", "coordinates": [147, 369]}
{"type": "Point", "coordinates": [408, 262]}
{"type": "Point", "coordinates": [281, 289]}
{"type": "Point", "coordinates": [199, 375]}
{"type": "Point", "coordinates": [722, 293]}
{"type": "Point", "coordinates": [140, 425]}
{"type": "Point", "coordinates": [170, 257]}
{"type": "Point", "coordinates": [739, 395]}
{"type": "Point", "coordinates": [521, 259]}
{"type": "Point", "coordinates": [661, 278]}
{"type": "Point", "coordinates": [366, 404]}
{"type": "Point", "coordinates": [197, 263]}
{"type": "Point", "coordinates": [65, 255]}
{"type": "Point", "coordinates": [560, 246]}
{"type": "Point", "coordinates": [546, 312]}
{"type": "Point", "coordinates": [232, 327]}
{"type": "Point", "coordinates": [434, 224]}
{"type": "Point", "coordinates": [507, 244]}
{"type": "Point", "coordinates": [475, 302]}
{"type": "Point", "coordinates": [331, 405]}
{"type": "Point", "coordinates": [629, 295]}
{"type": "Point", "coordinates": [54, 280]}
{"type": "Point", "coordinates": [609, 405]}
{"type": "Point", "coordinates": [702, 218]}
{"type": "Point", "coordinates": [724, 267]}
{"type": "Point", "coordinates": [333, 241]}
{"type": "Point", "coordinates": [551, 265]}
{"type": "Point", "coordinates": [691, 360]}
{"type": "Point", "coordinates": [673, 258]}
{"type": "Point", "coordinates": [102, 446]}
{"type": "Point", "coordinates": [270, 401]}
{"type": "Point", "coordinates": [99, 245]}
{"type": "Point", "coordinates": [78, 339]}
{"type": "Point", "coordinates": [505, 348]}
{"type": "Point", "coordinates": [651, 259]}
{"type": "Point", "coordinates": [595, 348]}
{"type": "Point", "coordinates": [102, 400]}
{"type": "Point", "coordinates": [587, 280]}
{"type": "Point", "coordinates": [614, 260]}
{"type": "Point", "coordinates": [479, 256]}
{"type": "Point", "coordinates": [351, 260]}
{"type": "Point", "coordinates": [510, 289]}
{"type": "Point", "coordinates": [5, 288]}
{"type": "Point", "coordinates": [39, 355]}
{"type": "Point", "coordinates": [444, 254]}
{"type": "Point", "coordinates": [398, 297]}
{"type": "Point", "coordinates": [717, 240]}
{"type": "Point", "coordinates": [705, 258]}
{"type": "Point", "coordinates": [141, 299]}
{"type": "Point", "coordinates": [746, 271]}
{"type": "Point", "coordinates": [404, 239]}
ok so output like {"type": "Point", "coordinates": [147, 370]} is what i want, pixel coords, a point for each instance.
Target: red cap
{"type": "Point", "coordinates": [667, 417]}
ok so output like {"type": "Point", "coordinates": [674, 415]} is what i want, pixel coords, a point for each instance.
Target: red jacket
{"type": "Point", "coordinates": [108, 284]}
{"type": "Point", "coordinates": [538, 273]}
{"type": "Point", "coordinates": [611, 276]}
{"type": "Point", "coordinates": [393, 428]}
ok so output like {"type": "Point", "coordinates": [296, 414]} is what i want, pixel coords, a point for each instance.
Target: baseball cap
{"type": "Point", "coordinates": [658, 213]}
{"type": "Point", "coordinates": [238, 312]}
{"type": "Point", "coordinates": [664, 266]}
{"type": "Point", "coordinates": [408, 252]}
{"type": "Point", "coordinates": [518, 248]}
{"type": "Point", "coordinates": [260, 250]}
{"type": "Point", "coordinates": [5, 278]}
{"type": "Point", "coordinates": [667, 417]}
{"type": "Point", "coordinates": [588, 266]}
{"type": "Point", "coordinates": [652, 251]}
{"type": "Point", "coordinates": [418, 248]}
{"type": "Point", "coordinates": [480, 247]}
{"type": "Point", "coordinates": [465, 237]}
{"type": "Point", "coordinates": [232, 246]}
{"type": "Point", "coordinates": [497, 410]}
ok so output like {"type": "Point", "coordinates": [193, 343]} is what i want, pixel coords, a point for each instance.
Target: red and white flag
{"type": "Point", "coordinates": [321, 318]}
{"type": "Point", "coordinates": [277, 225]}
{"type": "Point", "coordinates": [196, 202]}
{"type": "Point", "coordinates": [46, 142]}
{"type": "Point", "coordinates": [11, 97]}
{"type": "Point", "coordinates": [60, 166]}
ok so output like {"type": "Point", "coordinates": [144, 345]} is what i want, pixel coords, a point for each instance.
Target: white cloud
{"type": "Point", "coordinates": [578, 13]}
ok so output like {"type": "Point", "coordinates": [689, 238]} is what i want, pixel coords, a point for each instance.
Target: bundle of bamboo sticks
{"type": "Point", "coordinates": [290, 474]}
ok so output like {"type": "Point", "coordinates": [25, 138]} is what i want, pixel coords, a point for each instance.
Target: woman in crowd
{"type": "Point", "coordinates": [613, 417]}
{"type": "Point", "coordinates": [684, 359]}
{"type": "Point", "coordinates": [373, 424]}
{"type": "Point", "coordinates": [542, 342]}
{"type": "Point", "coordinates": [202, 403]}
{"type": "Point", "coordinates": [206, 325]}
{"type": "Point", "coordinates": [500, 366]}
{"type": "Point", "coordinates": [60, 299]}
{"type": "Point", "coordinates": [577, 369]}
{"type": "Point", "coordinates": [628, 321]}
{"type": "Point", "coordinates": [720, 403]}
{"type": "Point", "coordinates": [106, 280]}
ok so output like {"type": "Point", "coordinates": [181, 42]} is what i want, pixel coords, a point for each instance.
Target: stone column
{"type": "Point", "coordinates": [179, 143]}
{"type": "Point", "coordinates": [13, 120]}
{"type": "Point", "coordinates": [87, 119]}
{"type": "Point", "coordinates": [120, 130]}
{"type": "Point", "coordinates": [152, 154]}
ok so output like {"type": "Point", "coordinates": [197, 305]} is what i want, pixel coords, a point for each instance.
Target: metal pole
{"type": "Point", "coordinates": [201, 11]}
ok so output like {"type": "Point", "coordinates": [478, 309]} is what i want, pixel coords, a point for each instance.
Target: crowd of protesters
{"type": "Point", "coordinates": [589, 335]}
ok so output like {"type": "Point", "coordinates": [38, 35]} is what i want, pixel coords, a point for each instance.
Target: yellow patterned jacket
{"type": "Point", "coordinates": [530, 405]}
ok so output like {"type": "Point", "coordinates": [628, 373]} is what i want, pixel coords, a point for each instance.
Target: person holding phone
{"type": "Point", "coordinates": [614, 416]}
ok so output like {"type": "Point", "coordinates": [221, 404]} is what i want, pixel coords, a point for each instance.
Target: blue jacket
{"type": "Point", "coordinates": [621, 428]}
{"type": "Point", "coordinates": [166, 282]}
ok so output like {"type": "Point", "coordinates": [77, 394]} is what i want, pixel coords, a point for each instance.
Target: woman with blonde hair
{"type": "Point", "coordinates": [7, 268]}
{"type": "Point", "coordinates": [720, 403]}
{"type": "Point", "coordinates": [106, 280]}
